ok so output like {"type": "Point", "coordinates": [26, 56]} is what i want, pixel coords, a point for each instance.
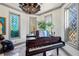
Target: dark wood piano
{"type": "Point", "coordinates": [43, 44]}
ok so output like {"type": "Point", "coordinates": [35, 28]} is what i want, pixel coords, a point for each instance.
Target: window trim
{"type": "Point", "coordinates": [19, 26]}
{"type": "Point", "coordinates": [72, 45]}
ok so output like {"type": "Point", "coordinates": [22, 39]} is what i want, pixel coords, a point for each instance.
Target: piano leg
{"type": "Point", "coordinates": [57, 51]}
{"type": "Point", "coordinates": [27, 53]}
{"type": "Point", "coordinates": [44, 53]}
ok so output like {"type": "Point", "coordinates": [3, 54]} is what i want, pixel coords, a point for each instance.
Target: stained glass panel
{"type": "Point", "coordinates": [14, 25]}
{"type": "Point", "coordinates": [71, 21]}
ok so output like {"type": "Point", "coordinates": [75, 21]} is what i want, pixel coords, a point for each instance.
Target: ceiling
{"type": "Point", "coordinates": [44, 6]}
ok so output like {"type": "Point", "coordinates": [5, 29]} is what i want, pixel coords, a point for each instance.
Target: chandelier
{"type": "Point", "coordinates": [30, 8]}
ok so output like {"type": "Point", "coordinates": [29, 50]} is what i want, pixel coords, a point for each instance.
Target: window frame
{"type": "Point", "coordinates": [65, 38]}
{"type": "Point", "coordinates": [18, 27]}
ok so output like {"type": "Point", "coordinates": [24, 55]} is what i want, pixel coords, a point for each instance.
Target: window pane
{"type": "Point", "coordinates": [71, 21]}
{"type": "Point", "coordinates": [14, 25]}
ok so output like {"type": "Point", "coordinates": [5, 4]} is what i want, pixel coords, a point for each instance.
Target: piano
{"type": "Point", "coordinates": [43, 44]}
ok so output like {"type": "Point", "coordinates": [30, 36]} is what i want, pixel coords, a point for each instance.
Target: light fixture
{"type": "Point", "coordinates": [30, 8]}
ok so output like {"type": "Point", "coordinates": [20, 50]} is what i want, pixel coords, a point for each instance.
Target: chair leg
{"type": "Point", "coordinates": [57, 51]}
{"type": "Point", "coordinates": [44, 53]}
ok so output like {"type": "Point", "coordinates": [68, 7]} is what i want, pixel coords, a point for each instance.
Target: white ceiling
{"type": "Point", "coordinates": [48, 6]}
{"type": "Point", "coordinates": [44, 6]}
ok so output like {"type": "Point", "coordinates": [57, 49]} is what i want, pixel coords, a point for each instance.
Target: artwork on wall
{"type": "Point", "coordinates": [14, 25]}
{"type": "Point", "coordinates": [2, 25]}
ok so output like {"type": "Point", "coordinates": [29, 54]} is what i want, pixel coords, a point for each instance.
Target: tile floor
{"type": "Point", "coordinates": [20, 51]}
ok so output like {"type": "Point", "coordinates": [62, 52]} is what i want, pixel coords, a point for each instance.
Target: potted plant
{"type": "Point", "coordinates": [43, 26]}
{"type": "Point", "coordinates": [49, 27]}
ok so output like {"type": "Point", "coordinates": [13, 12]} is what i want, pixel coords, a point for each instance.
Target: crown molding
{"type": "Point", "coordinates": [52, 9]}
{"type": "Point", "coordinates": [15, 9]}
{"type": "Point", "coordinates": [32, 14]}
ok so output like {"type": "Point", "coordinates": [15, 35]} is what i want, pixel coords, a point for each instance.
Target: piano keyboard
{"type": "Point", "coordinates": [38, 48]}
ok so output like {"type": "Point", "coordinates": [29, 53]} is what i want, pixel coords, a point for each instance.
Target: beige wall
{"type": "Point", "coordinates": [56, 19]}
{"type": "Point", "coordinates": [24, 23]}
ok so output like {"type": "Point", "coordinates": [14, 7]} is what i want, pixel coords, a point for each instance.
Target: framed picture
{"type": "Point", "coordinates": [14, 25]}
{"type": "Point", "coordinates": [2, 26]}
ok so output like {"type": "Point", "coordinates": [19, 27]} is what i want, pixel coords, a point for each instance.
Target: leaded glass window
{"type": "Point", "coordinates": [14, 25]}
{"type": "Point", "coordinates": [71, 24]}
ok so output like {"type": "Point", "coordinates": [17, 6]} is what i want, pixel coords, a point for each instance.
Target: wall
{"type": "Point", "coordinates": [24, 23]}
{"type": "Point", "coordinates": [58, 20]}
{"type": "Point", "coordinates": [56, 17]}
{"type": "Point", "coordinates": [68, 48]}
